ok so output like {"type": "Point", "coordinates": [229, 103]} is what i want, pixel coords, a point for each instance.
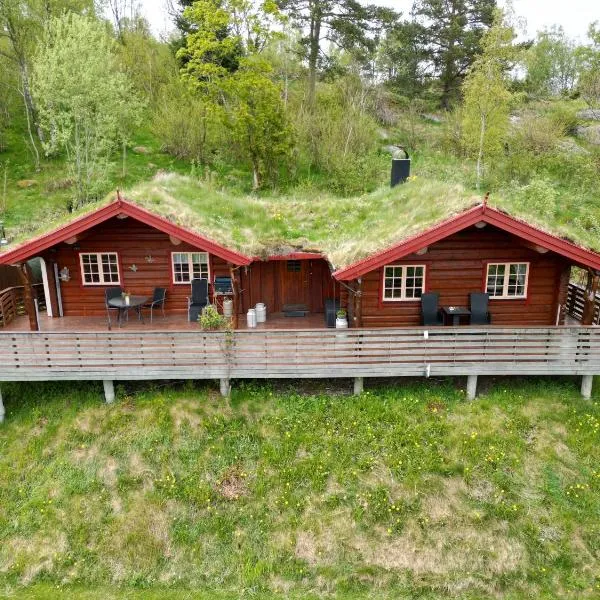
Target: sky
{"type": "Point", "coordinates": [573, 15]}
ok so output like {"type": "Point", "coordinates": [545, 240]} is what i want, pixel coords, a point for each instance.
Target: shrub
{"type": "Point", "coordinates": [339, 137]}
{"type": "Point", "coordinates": [564, 117]}
{"type": "Point", "coordinates": [183, 124]}
{"type": "Point", "coordinates": [211, 319]}
{"type": "Point", "coordinates": [537, 134]}
{"type": "Point", "coordinates": [538, 197]}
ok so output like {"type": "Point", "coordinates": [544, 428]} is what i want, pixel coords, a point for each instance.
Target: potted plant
{"type": "Point", "coordinates": [341, 321]}
{"type": "Point", "coordinates": [211, 320]}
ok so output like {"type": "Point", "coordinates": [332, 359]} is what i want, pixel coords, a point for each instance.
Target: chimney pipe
{"type": "Point", "coordinates": [400, 168]}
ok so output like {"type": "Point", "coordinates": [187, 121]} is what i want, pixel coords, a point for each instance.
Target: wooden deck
{"type": "Point", "coordinates": [171, 322]}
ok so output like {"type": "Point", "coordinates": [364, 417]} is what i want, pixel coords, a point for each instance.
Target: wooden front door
{"type": "Point", "coordinates": [294, 282]}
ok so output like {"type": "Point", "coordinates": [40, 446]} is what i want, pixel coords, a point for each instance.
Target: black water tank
{"type": "Point", "coordinates": [400, 169]}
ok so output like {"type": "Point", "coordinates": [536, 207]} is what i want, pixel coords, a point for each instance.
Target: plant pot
{"type": "Point", "coordinates": [341, 323]}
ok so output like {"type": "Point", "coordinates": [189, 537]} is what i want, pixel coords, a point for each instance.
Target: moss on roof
{"type": "Point", "coordinates": [344, 229]}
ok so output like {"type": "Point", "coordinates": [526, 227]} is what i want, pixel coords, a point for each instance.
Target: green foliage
{"type": "Point", "coordinates": [148, 63]}
{"type": "Point", "coordinates": [223, 64]}
{"type": "Point", "coordinates": [211, 319]}
{"type": "Point", "coordinates": [537, 134]}
{"type": "Point", "coordinates": [347, 23]}
{"type": "Point", "coordinates": [487, 98]}
{"type": "Point", "coordinates": [589, 83]}
{"type": "Point", "coordinates": [539, 196]}
{"type": "Point", "coordinates": [86, 105]}
{"type": "Point", "coordinates": [449, 35]}
{"type": "Point", "coordinates": [552, 64]}
{"type": "Point", "coordinates": [339, 137]}
{"type": "Point", "coordinates": [186, 124]}
{"type": "Point", "coordinates": [257, 120]}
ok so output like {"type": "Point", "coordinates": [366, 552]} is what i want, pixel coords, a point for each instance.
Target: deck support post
{"type": "Point", "coordinates": [586, 386]}
{"type": "Point", "coordinates": [109, 391]}
{"type": "Point", "coordinates": [358, 385]}
{"type": "Point", "coordinates": [2, 411]}
{"type": "Point", "coordinates": [471, 387]}
{"type": "Point", "coordinates": [225, 387]}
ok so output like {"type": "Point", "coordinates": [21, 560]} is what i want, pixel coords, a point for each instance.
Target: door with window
{"type": "Point", "coordinates": [294, 282]}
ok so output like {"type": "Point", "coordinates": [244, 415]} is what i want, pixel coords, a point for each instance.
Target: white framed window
{"type": "Point", "coordinates": [403, 282]}
{"type": "Point", "coordinates": [100, 268]}
{"type": "Point", "coordinates": [189, 265]}
{"type": "Point", "coordinates": [507, 280]}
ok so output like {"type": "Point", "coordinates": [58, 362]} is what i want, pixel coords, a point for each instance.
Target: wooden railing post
{"type": "Point", "coordinates": [25, 272]}
{"type": "Point", "coordinates": [236, 290]}
{"type": "Point", "coordinates": [358, 303]}
{"type": "Point", "coordinates": [589, 301]}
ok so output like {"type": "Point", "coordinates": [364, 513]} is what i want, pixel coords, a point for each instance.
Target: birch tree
{"type": "Point", "coordinates": [487, 95]}
{"type": "Point", "coordinates": [86, 104]}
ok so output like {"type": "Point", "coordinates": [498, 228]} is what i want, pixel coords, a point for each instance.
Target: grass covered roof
{"type": "Point", "coordinates": [343, 229]}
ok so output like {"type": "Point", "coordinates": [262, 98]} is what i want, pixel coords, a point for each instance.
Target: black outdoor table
{"type": "Point", "coordinates": [135, 302]}
{"type": "Point", "coordinates": [456, 312]}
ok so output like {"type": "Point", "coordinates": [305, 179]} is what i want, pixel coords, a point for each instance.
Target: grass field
{"type": "Point", "coordinates": [300, 492]}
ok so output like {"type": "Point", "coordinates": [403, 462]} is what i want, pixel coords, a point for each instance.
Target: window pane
{"type": "Point", "coordinates": [516, 279]}
{"type": "Point", "coordinates": [91, 269]}
{"type": "Point", "coordinates": [110, 269]}
{"type": "Point", "coordinates": [495, 280]}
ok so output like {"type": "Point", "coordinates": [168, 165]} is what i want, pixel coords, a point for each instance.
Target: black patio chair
{"type": "Point", "coordinates": [158, 301]}
{"type": "Point", "coordinates": [332, 305]}
{"type": "Point", "coordinates": [199, 298]}
{"type": "Point", "coordinates": [109, 294]}
{"type": "Point", "coordinates": [430, 312]}
{"type": "Point", "coordinates": [479, 302]}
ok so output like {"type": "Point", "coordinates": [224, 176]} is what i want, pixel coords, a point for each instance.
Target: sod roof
{"type": "Point", "coordinates": [345, 230]}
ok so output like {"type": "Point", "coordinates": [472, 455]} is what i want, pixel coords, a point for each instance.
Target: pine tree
{"type": "Point", "coordinates": [450, 36]}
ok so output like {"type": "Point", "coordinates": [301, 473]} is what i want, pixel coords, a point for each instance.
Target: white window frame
{"type": "Point", "coordinates": [403, 297]}
{"type": "Point", "coordinates": [507, 265]}
{"type": "Point", "coordinates": [190, 264]}
{"type": "Point", "coordinates": [98, 256]}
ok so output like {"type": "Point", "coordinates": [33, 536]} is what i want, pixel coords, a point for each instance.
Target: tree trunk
{"type": "Point", "coordinates": [255, 175]}
{"type": "Point", "coordinates": [313, 56]}
{"type": "Point", "coordinates": [480, 153]}
{"type": "Point", "coordinates": [29, 103]}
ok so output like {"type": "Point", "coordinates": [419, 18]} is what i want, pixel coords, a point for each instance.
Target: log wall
{"type": "Point", "coordinates": [457, 265]}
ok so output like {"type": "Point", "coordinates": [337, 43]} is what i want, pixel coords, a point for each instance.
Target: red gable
{"type": "Point", "coordinates": [480, 213]}
{"type": "Point", "coordinates": [37, 245]}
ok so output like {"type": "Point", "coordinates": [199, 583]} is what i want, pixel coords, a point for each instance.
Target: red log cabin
{"type": "Point", "coordinates": [523, 272]}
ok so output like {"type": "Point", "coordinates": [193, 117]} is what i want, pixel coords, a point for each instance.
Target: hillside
{"type": "Point", "coordinates": [558, 195]}
{"type": "Point", "coordinates": [405, 491]}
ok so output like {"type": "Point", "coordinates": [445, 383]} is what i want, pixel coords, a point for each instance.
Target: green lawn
{"type": "Point", "coordinates": [405, 491]}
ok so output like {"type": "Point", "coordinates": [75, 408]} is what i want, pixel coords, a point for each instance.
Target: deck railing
{"type": "Point", "coordinates": [300, 353]}
{"type": "Point", "coordinates": [576, 301]}
{"type": "Point", "coordinates": [11, 305]}
{"type": "Point", "coordinates": [12, 302]}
